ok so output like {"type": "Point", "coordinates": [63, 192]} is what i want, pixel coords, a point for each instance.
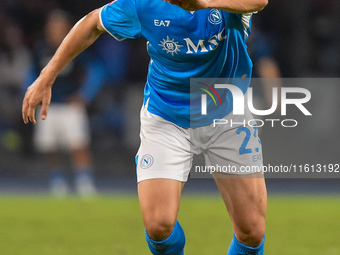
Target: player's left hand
{"type": "Point", "coordinates": [190, 5]}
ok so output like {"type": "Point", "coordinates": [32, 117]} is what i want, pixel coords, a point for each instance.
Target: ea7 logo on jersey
{"type": "Point", "coordinates": [161, 23]}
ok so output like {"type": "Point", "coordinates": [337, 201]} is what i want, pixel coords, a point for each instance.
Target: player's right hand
{"type": "Point", "coordinates": [39, 93]}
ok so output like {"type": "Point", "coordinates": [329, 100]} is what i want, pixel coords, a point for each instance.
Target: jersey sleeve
{"type": "Point", "coordinates": [119, 18]}
{"type": "Point", "coordinates": [246, 22]}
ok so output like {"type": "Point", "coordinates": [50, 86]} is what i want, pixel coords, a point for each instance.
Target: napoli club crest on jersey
{"type": "Point", "coordinates": [215, 17]}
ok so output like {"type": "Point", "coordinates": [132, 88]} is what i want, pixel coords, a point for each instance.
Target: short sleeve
{"type": "Point", "coordinates": [119, 18]}
{"type": "Point", "coordinates": [246, 22]}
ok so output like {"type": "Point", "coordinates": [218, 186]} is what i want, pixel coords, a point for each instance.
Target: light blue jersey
{"type": "Point", "coordinates": [207, 43]}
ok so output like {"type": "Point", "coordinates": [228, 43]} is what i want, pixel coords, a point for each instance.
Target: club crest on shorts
{"type": "Point", "coordinates": [146, 161]}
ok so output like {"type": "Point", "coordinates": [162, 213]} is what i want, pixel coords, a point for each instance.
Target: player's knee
{"type": "Point", "coordinates": [159, 229]}
{"type": "Point", "coordinates": [252, 237]}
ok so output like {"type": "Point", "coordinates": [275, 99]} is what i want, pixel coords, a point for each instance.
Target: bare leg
{"type": "Point", "coordinates": [159, 200]}
{"type": "Point", "coordinates": [246, 202]}
{"type": "Point", "coordinates": [81, 157]}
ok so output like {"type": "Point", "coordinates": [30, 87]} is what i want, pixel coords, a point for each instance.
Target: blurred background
{"type": "Point", "coordinates": [291, 39]}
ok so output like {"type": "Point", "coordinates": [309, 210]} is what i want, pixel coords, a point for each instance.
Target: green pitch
{"type": "Point", "coordinates": [113, 225]}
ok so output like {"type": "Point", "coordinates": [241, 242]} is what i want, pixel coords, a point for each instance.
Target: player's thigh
{"type": "Point", "coordinates": [159, 201]}
{"type": "Point", "coordinates": [237, 153]}
{"type": "Point", "coordinates": [163, 164]}
{"type": "Point", "coordinates": [246, 200]}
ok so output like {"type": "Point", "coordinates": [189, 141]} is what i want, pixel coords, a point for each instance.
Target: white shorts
{"type": "Point", "coordinates": [66, 128]}
{"type": "Point", "coordinates": [167, 150]}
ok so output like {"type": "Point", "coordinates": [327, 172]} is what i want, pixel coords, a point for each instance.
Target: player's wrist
{"type": "Point", "coordinates": [47, 77]}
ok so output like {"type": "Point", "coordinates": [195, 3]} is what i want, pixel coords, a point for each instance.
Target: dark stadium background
{"type": "Point", "coordinates": [305, 42]}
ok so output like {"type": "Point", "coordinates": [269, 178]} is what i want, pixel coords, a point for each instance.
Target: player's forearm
{"type": "Point", "coordinates": [81, 36]}
{"type": "Point", "coordinates": [238, 6]}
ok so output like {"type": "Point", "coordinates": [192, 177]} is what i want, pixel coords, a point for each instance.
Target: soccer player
{"type": "Point", "coordinates": [67, 129]}
{"type": "Point", "coordinates": [186, 39]}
